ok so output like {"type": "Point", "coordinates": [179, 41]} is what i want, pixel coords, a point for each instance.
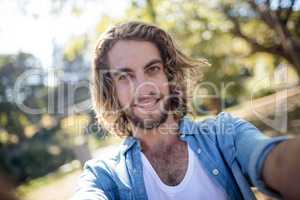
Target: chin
{"type": "Point", "coordinates": [149, 121]}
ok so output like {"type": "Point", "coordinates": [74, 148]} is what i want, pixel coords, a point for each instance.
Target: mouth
{"type": "Point", "coordinates": [147, 103]}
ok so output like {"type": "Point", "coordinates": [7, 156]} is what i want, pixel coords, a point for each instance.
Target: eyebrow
{"type": "Point", "coordinates": [151, 62]}
{"type": "Point", "coordinates": [125, 69]}
{"type": "Point", "coordinates": [116, 72]}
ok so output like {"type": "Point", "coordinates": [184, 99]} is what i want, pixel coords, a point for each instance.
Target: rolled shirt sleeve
{"type": "Point", "coordinates": [252, 148]}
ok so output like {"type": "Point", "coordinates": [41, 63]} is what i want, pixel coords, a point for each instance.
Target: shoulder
{"type": "Point", "coordinates": [210, 125]}
{"type": "Point", "coordinates": [97, 179]}
{"type": "Point", "coordinates": [104, 163]}
{"type": "Point", "coordinates": [109, 170]}
{"type": "Point", "coordinates": [101, 167]}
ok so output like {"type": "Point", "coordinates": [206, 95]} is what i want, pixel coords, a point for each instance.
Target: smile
{"type": "Point", "coordinates": [147, 103]}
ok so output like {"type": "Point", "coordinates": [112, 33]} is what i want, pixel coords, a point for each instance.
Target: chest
{"type": "Point", "coordinates": [170, 166]}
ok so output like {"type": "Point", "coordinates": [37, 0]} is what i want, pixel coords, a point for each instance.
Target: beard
{"type": "Point", "coordinates": [150, 122]}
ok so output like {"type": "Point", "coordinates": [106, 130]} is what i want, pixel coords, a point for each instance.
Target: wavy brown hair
{"type": "Point", "coordinates": [176, 64]}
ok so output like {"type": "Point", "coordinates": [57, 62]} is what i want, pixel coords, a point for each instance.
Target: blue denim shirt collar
{"type": "Point", "coordinates": [128, 144]}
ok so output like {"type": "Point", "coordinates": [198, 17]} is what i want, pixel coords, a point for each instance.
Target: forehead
{"type": "Point", "coordinates": [132, 54]}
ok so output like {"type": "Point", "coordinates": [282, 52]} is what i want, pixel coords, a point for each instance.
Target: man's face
{"type": "Point", "coordinates": [141, 83]}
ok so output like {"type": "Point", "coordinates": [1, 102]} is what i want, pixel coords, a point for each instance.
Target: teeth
{"type": "Point", "coordinates": [148, 103]}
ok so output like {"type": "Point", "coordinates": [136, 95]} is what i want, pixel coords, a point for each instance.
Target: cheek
{"type": "Point", "coordinates": [164, 86]}
{"type": "Point", "coordinates": [124, 93]}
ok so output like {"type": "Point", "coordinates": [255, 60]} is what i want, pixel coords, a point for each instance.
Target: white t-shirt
{"type": "Point", "coordinates": [196, 184]}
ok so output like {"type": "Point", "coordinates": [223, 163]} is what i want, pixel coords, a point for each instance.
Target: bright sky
{"type": "Point", "coordinates": [35, 31]}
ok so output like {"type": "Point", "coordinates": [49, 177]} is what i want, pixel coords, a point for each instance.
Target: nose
{"type": "Point", "coordinates": [145, 88]}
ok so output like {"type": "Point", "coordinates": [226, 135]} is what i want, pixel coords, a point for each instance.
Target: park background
{"type": "Point", "coordinates": [47, 125]}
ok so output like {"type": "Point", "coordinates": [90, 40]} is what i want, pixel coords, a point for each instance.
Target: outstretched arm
{"type": "Point", "coordinates": [281, 170]}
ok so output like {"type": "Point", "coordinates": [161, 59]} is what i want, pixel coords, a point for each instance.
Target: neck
{"type": "Point", "coordinates": [159, 138]}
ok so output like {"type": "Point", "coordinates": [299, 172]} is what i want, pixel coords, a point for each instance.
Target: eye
{"type": "Point", "coordinates": [153, 69]}
{"type": "Point", "coordinates": [124, 76]}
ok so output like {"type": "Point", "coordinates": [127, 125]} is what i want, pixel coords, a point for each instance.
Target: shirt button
{"type": "Point", "coordinates": [215, 172]}
{"type": "Point", "coordinates": [199, 150]}
{"type": "Point", "coordinates": [182, 136]}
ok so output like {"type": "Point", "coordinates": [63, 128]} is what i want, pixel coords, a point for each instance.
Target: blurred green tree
{"type": "Point", "coordinates": [31, 145]}
{"type": "Point", "coordinates": [267, 26]}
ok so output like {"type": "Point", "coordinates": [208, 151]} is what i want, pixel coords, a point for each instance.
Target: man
{"type": "Point", "coordinates": [139, 91]}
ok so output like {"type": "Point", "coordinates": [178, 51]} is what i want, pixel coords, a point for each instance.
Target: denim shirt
{"type": "Point", "coordinates": [231, 150]}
